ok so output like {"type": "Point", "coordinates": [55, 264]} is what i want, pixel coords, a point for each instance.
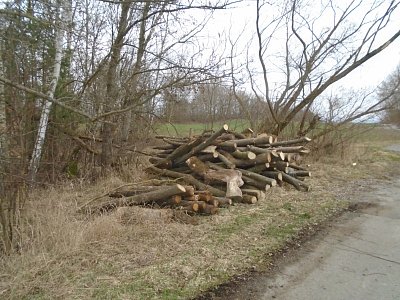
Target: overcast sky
{"type": "Point", "coordinates": [242, 18]}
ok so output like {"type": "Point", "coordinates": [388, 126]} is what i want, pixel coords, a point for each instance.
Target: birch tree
{"type": "Point", "coordinates": [63, 16]}
{"type": "Point", "coordinates": [125, 54]}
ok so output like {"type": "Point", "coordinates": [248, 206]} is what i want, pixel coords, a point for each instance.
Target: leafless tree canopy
{"type": "Point", "coordinates": [390, 90]}
{"type": "Point", "coordinates": [83, 82]}
{"type": "Point", "coordinates": [323, 42]}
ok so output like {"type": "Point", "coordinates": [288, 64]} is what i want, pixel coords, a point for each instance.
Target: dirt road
{"type": "Point", "coordinates": [358, 258]}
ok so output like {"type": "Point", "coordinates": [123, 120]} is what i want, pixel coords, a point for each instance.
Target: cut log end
{"type": "Point", "coordinates": [249, 199]}
{"type": "Point", "coordinates": [189, 190]}
{"type": "Point", "coordinates": [181, 188]}
{"type": "Point", "coordinates": [251, 155]}
{"type": "Point", "coordinates": [223, 201]}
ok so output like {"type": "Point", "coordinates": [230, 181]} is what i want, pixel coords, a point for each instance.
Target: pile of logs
{"type": "Point", "coordinates": [178, 196]}
{"type": "Point", "coordinates": [217, 169]}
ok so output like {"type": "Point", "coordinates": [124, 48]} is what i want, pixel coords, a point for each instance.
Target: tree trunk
{"type": "Point", "coordinates": [231, 177]}
{"type": "Point", "coordinates": [255, 192]}
{"type": "Point", "coordinates": [44, 118]}
{"type": "Point", "coordinates": [252, 141]}
{"type": "Point", "coordinates": [249, 199]}
{"type": "Point", "coordinates": [142, 44]}
{"type": "Point", "coordinates": [244, 154]}
{"type": "Point", "coordinates": [111, 87]}
{"type": "Point", "coordinates": [203, 145]}
{"type": "Point", "coordinates": [189, 179]}
{"type": "Point", "coordinates": [223, 201]}
{"type": "Point", "coordinates": [258, 177]}
{"type": "Point", "coordinates": [181, 150]}
{"type": "Point", "coordinates": [3, 137]}
{"type": "Point", "coordinates": [291, 142]}
{"type": "Point", "coordinates": [298, 184]}
{"type": "Point", "coordinates": [161, 194]}
{"type": "Point", "coordinates": [225, 160]}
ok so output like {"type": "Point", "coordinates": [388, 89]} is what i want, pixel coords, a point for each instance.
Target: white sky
{"type": "Point", "coordinates": [372, 73]}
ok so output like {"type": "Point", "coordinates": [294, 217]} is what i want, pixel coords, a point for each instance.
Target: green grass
{"type": "Point", "coordinates": [376, 133]}
{"type": "Point", "coordinates": [280, 232]}
{"type": "Point", "coordinates": [361, 133]}
{"type": "Point", "coordinates": [225, 231]}
{"type": "Point", "coordinates": [183, 129]}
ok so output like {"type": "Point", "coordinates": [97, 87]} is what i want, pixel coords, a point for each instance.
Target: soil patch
{"type": "Point", "coordinates": [360, 206]}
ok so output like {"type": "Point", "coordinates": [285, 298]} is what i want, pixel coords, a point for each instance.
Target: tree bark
{"type": "Point", "coordinates": [223, 201]}
{"type": "Point", "coordinates": [293, 149]}
{"type": "Point", "coordinates": [300, 173]}
{"type": "Point", "coordinates": [181, 150]}
{"type": "Point", "coordinates": [258, 184]}
{"type": "Point", "coordinates": [203, 145]}
{"type": "Point", "coordinates": [298, 184]}
{"type": "Point", "coordinates": [259, 168]}
{"type": "Point", "coordinates": [208, 209]}
{"type": "Point", "coordinates": [160, 194]}
{"type": "Point", "coordinates": [291, 142]}
{"type": "Point", "coordinates": [247, 155]}
{"type": "Point", "coordinates": [279, 165]}
{"type": "Point", "coordinates": [260, 159]}
{"type": "Point", "coordinates": [249, 199]}
{"type": "Point", "coordinates": [252, 141]}
{"type": "Point", "coordinates": [231, 177]}
{"type": "Point", "coordinates": [188, 179]}
{"type": "Point", "coordinates": [273, 174]}
{"type": "Point", "coordinates": [225, 160]}
{"type": "Point", "coordinates": [44, 118]}
{"type": "Point", "coordinates": [189, 206]}
{"type": "Point", "coordinates": [258, 177]}
{"type": "Point", "coordinates": [107, 132]}
{"type": "Point", "coordinates": [255, 192]}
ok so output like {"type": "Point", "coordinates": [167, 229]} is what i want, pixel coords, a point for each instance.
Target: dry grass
{"type": "Point", "coordinates": [137, 253]}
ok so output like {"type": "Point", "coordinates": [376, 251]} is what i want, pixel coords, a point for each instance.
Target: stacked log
{"type": "Point", "coordinates": [217, 169]}
{"type": "Point", "coordinates": [233, 165]}
{"type": "Point", "coordinates": [176, 196]}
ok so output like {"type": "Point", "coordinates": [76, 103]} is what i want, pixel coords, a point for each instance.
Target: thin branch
{"type": "Point", "coordinates": [45, 97]}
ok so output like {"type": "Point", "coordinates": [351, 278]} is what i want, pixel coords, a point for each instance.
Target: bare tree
{"type": "Point", "coordinates": [119, 60]}
{"type": "Point", "coordinates": [390, 91]}
{"type": "Point", "coordinates": [63, 17]}
{"type": "Point", "coordinates": [321, 45]}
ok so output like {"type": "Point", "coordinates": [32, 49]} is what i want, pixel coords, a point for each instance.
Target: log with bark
{"type": "Point", "coordinates": [223, 201]}
{"type": "Point", "coordinates": [298, 184]}
{"type": "Point", "coordinates": [255, 192]}
{"type": "Point", "coordinates": [232, 178]}
{"type": "Point", "coordinates": [202, 145]}
{"type": "Point", "coordinates": [249, 199]}
{"type": "Point", "coordinates": [153, 196]}
{"type": "Point", "coordinates": [216, 168]}
{"type": "Point", "coordinates": [188, 179]}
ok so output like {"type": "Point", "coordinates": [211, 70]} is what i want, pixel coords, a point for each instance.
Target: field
{"type": "Point", "coordinates": [197, 128]}
{"type": "Point", "coordinates": [127, 255]}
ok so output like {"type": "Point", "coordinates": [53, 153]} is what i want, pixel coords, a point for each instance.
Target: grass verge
{"type": "Point", "coordinates": [183, 129]}
{"type": "Point", "coordinates": [124, 255]}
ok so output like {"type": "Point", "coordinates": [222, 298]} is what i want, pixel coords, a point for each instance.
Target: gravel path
{"type": "Point", "coordinates": [393, 148]}
{"type": "Point", "coordinates": [358, 258]}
